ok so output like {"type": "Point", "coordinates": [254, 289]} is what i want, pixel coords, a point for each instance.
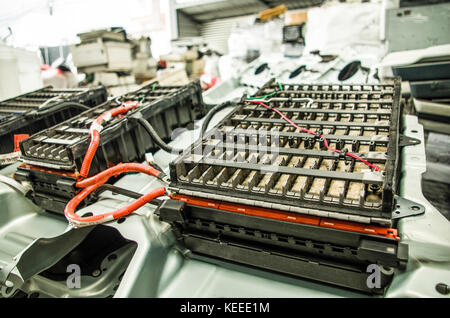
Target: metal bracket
{"type": "Point", "coordinates": [405, 207]}
{"type": "Point", "coordinates": [42, 254]}
{"type": "Point", "coordinates": [408, 141]}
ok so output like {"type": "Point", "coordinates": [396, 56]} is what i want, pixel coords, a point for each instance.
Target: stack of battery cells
{"type": "Point", "coordinates": [53, 157]}
{"type": "Point", "coordinates": [35, 111]}
{"type": "Point", "coordinates": [257, 190]}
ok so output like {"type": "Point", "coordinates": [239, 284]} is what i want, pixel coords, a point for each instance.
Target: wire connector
{"type": "Point", "coordinates": [107, 117]}
{"type": "Point", "coordinates": [343, 153]}
{"type": "Point", "coordinates": [164, 178]}
{"type": "Point", "coordinates": [96, 126]}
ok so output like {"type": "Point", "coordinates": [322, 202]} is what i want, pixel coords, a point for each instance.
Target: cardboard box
{"type": "Point", "coordinates": [296, 18]}
{"type": "Point", "coordinates": [100, 55]}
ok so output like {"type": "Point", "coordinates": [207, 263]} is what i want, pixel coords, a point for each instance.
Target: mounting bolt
{"type": "Point", "coordinates": [322, 143]}
{"type": "Point", "coordinates": [339, 144]}
{"type": "Point", "coordinates": [374, 187]}
{"type": "Point", "coordinates": [342, 154]}
{"type": "Point", "coordinates": [318, 134]}
{"type": "Point", "coordinates": [96, 273]}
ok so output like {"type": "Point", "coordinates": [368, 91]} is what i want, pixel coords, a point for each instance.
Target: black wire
{"type": "Point", "coordinates": [156, 166]}
{"type": "Point", "coordinates": [122, 191]}
{"type": "Point", "coordinates": [61, 106]}
{"type": "Point", "coordinates": [116, 100]}
{"type": "Point", "coordinates": [211, 114]}
{"type": "Point", "coordinates": [154, 135]}
{"type": "Point", "coordinates": [209, 106]}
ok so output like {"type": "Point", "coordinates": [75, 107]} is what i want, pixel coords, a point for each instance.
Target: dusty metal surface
{"type": "Point", "coordinates": [417, 27]}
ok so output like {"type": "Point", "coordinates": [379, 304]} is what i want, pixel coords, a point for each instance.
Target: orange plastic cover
{"type": "Point", "coordinates": [289, 216]}
{"type": "Point", "coordinates": [48, 170]}
{"type": "Point", "coordinates": [17, 139]}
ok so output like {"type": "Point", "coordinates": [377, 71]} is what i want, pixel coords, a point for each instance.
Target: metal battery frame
{"type": "Point", "coordinates": [298, 238]}
{"type": "Point", "coordinates": [186, 180]}
{"type": "Point", "coordinates": [22, 114]}
{"type": "Point", "coordinates": [63, 146]}
{"type": "Point", "coordinates": [122, 140]}
{"type": "Point", "coordinates": [310, 251]}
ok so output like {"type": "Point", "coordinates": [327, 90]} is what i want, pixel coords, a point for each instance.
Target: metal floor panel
{"type": "Point", "coordinates": [158, 268]}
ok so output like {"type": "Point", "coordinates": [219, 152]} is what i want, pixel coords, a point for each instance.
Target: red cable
{"type": "Point", "coordinates": [94, 182]}
{"type": "Point", "coordinates": [375, 167]}
{"type": "Point", "coordinates": [94, 132]}
{"type": "Point", "coordinates": [79, 221]}
{"type": "Point", "coordinates": [116, 170]}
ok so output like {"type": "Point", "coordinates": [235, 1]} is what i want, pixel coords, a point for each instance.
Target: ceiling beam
{"type": "Point", "coordinates": [242, 10]}
{"type": "Point", "coordinates": [188, 16]}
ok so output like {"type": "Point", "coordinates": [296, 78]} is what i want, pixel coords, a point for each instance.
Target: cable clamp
{"type": "Point", "coordinates": [318, 134]}
{"type": "Point", "coordinates": [107, 116]}
{"type": "Point", "coordinates": [343, 153]}
{"type": "Point", "coordinates": [96, 126]}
